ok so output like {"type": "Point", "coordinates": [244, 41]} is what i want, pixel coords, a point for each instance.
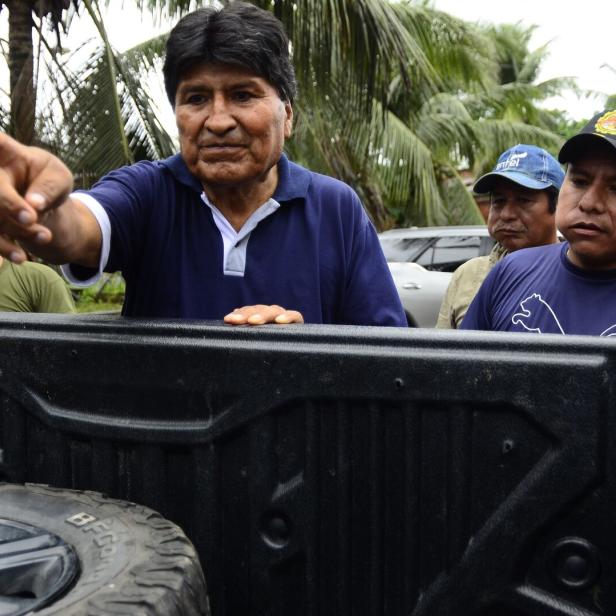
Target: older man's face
{"type": "Point", "coordinates": [232, 125]}
{"type": "Point", "coordinates": [586, 212]}
{"type": "Point", "coordinates": [520, 217]}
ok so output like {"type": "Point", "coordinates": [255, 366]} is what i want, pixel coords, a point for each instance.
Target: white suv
{"type": "Point", "coordinates": [421, 260]}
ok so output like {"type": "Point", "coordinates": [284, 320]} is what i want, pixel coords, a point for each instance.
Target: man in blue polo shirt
{"type": "Point", "coordinates": [567, 288]}
{"type": "Point", "coordinates": [229, 228]}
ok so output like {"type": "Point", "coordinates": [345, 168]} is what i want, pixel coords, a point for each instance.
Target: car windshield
{"type": "Point", "coordinates": [403, 249]}
{"type": "Point", "coordinates": [443, 253]}
{"type": "Point", "coordinates": [446, 253]}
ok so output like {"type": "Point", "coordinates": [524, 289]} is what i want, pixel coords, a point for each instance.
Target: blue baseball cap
{"type": "Point", "coordinates": [526, 165]}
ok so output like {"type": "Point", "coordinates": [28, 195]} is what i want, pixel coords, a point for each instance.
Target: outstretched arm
{"type": "Point", "coordinates": [36, 211]}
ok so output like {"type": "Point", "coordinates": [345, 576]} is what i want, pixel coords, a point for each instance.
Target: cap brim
{"type": "Point", "coordinates": [580, 143]}
{"type": "Point", "coordinates": [486, 182]}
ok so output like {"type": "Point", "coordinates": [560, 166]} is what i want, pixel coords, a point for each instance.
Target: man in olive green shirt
{"type": "Point", "coordinates": [523, 189]}
{"type": "Point", "coordinates": [32, 287]}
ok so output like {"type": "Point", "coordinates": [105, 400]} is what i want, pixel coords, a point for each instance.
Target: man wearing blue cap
{"type": "Point", "coordinates": [523, 189]}
{"type": "Point", "coordinates": [567, 288]}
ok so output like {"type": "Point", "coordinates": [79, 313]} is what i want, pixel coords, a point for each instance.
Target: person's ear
{"type": "Point", "coordinates": [288, 122]}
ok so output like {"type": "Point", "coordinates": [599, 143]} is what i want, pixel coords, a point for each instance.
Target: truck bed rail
{"type": "Point", "coordinates": [335, 470]}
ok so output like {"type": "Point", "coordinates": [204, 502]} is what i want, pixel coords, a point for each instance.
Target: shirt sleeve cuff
{"type": "Point", "coordinates": [105, 225]}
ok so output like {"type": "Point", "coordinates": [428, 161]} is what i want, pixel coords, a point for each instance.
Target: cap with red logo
{"type": "Point", "coordinates": [602, 126]}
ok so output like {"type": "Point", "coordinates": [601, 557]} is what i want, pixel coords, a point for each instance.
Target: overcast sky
{"type": "Point", "coordinates": [581, 40]}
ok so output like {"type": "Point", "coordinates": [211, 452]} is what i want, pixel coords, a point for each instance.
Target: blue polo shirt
{"type": "Point", "coordinates": [317, 253]}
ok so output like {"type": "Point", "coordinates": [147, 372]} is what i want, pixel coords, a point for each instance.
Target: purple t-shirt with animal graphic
{"type": "Point", "coordinates": [539, 290]}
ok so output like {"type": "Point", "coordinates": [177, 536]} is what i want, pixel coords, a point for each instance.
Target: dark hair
{"type": "Point", "coordinates": [552, 193]}
{"type": "Point", "coordinates": [239, 34]}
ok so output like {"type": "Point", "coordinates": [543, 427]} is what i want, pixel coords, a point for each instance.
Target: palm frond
{"type": "Point", "coordinates": [445, 125]}
{"type": "Point", "coordinates": [529, 70]}
{"type": "Point", "coordinates": [171, 9]}
{"type": "Point", "coordinates": [407, 167]}
{"type": "Point", "coordinates": [146, 56]}
{"type": "Point", "coordinates": [461, 207]}
{"type": "Point", "coordinates": [88, 135]}
{"type": "Point", "coordinates": [498, 135]}
{"type": "Point", "coordinates": [147, 135]}
{"type": "Point", "coordinates": [460, 52]}
{"type": "Point", "coordinates": [388, 164]}
{"type": "Point", "coordinates": [4, 119]}
{"type": "Point", "coordinates": [325, 147]}
{"type": "Point", "coordinates": [511, 48]}
{"type": "Point", "coordinates": [353, 49]}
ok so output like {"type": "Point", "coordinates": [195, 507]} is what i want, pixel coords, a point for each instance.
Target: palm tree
{"type": "Point", "coordinates": [516, 96]}
{"type": "Point", "coordinates": [97, 114]}
{"type": "Point", "coordinates": [400, 132]}
{"type": "Point", "coordinates": [403, 151]}
{"type": "Point", "coordinates": [20, 56]}
{"type": "Point", "coordinates": [107, 117]}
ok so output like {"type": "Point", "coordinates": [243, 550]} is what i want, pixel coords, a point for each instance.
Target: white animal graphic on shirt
{"type": "Point", "coordinates": [610, 331]}
{"type": "Point", "coordinates": [534, 308]}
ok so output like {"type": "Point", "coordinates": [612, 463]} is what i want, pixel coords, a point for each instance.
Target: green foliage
{"type": "Point", "coordinates": [108, 117]}
{"type": "Point", "coordinates": [515, 63]}
{"type": "Point", "coordinates": [403, 151]}
{"type": "Point", "coordinates": [95, 113]}
{"type": "Point", "coordinates": [610, 103]}
{"type": "Point", "coordinates": [510, 110]}
{"type": "Point", "coordinates": [106, 295]}
{"type": "Point", "coordinates": [92, 137]}
{"type": "Point", "coordinates": [565, 126]}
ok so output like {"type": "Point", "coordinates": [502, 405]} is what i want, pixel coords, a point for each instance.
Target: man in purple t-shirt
{"type": "Point", "coordinates": [568, 288]}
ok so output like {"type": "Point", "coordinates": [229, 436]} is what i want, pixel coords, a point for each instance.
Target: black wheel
{"type": "Point", "coordinates": [80, 553]}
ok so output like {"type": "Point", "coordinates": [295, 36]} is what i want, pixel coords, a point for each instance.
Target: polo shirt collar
{"type": "Point", "coordinates": [180, 172]}
{"type": "Point", "coordinates": [293, 180]}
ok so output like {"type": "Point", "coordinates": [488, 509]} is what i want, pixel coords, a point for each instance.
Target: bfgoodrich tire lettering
{"type": "Point", "coordinates": [132, 561]}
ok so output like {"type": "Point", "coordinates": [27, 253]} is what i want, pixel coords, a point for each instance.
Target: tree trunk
{"type": "Point", "coordinates": [23, 99]}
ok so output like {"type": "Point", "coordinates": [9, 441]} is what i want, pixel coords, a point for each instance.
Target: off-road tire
{"type": "Point", "coordinates": [132, 561]}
